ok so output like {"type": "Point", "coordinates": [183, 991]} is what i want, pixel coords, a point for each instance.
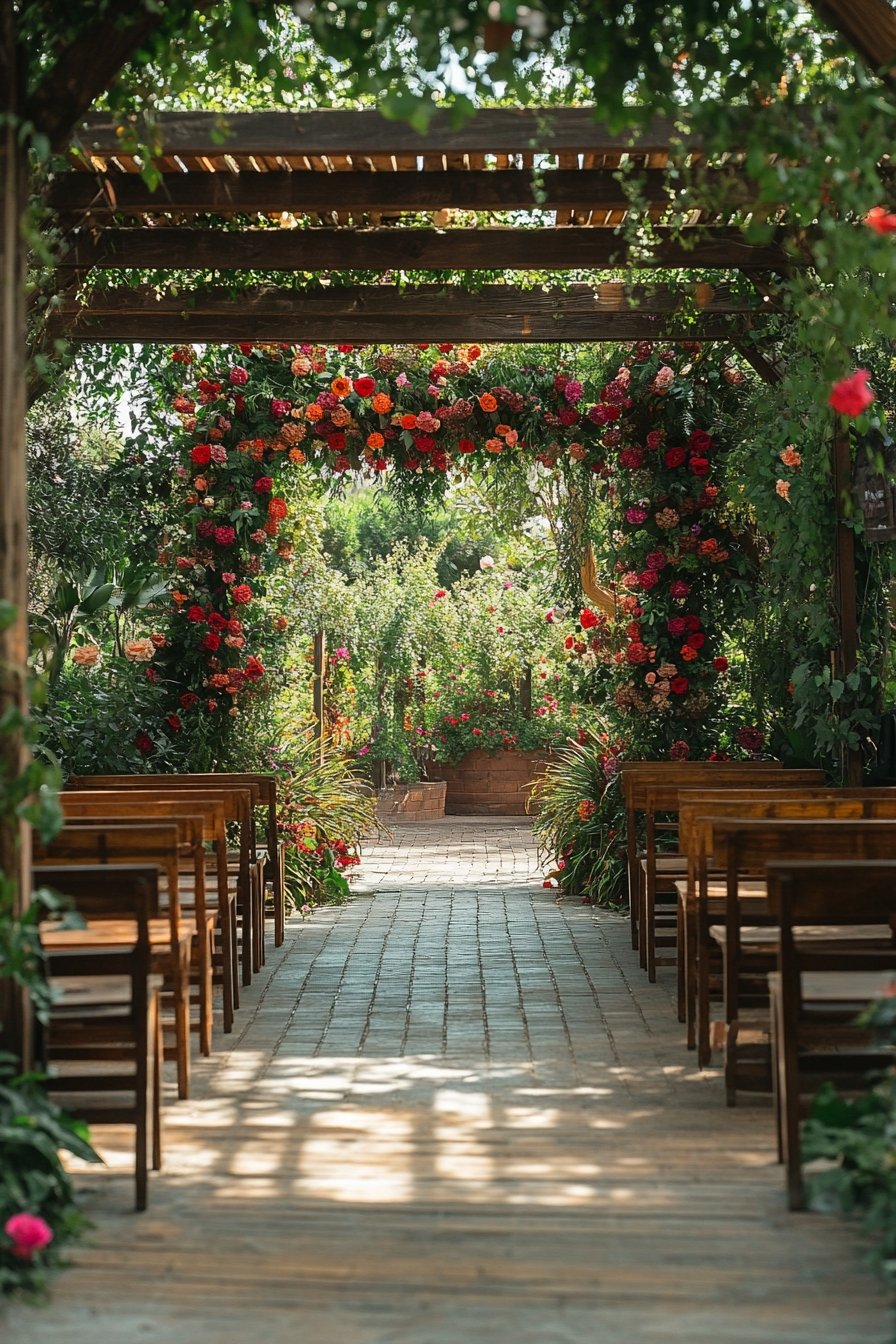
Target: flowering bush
{"type": "Point", "coordinates": [38, 1214]}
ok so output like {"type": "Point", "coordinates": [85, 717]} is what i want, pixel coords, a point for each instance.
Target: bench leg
{"type": "Point", "coordinates": [680, 959]}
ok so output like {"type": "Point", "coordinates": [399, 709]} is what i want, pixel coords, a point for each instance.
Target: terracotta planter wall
{"type": "Point", "coordinates": [484, 784]}
{"type": "Point", "coordinates": [411, 802]}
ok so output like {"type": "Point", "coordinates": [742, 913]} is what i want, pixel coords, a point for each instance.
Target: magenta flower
{"type": "Point", "coordinates": [28, 1233]}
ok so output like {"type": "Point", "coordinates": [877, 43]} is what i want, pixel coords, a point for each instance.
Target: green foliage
{"type": "Point", "coordinates": [855, 1140]}
{"type": "Point", "coordinates": [112, 719]}
{"type": "Point", "coordinates": [33, 1132]}
{"type": "Point", "coordinates": [580, 822]}
{"type": "Point", "coordinates": [325, 810]}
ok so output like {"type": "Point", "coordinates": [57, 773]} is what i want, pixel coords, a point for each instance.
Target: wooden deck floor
{"type": "Point", "coordinates": [456, 1112]}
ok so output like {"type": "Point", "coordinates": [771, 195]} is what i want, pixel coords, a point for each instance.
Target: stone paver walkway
{"type": "Point", "coordinates": [456, 1113]}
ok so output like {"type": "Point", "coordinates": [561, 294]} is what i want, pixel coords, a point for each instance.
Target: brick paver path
{"type": "Point", "coordinates": [455, 1113]}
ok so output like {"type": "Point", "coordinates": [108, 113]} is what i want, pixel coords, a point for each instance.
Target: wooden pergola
{"type": "Point", "coordinates": [309, 193]}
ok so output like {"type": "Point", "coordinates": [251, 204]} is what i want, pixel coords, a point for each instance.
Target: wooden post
{"type": "Point", "coordinates": [524, 690]}
{"type": "Point", "coordinates": [319, 691]}
{"type": "Point", "coordinates": [845, 580]}
{"type": "Point", "coordinates": [15, 1032]}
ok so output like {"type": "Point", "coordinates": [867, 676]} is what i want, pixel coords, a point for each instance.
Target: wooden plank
{"type": "Point", "coordinates": [507, 130]}
{"type": "Point", "coordinates": [406, 189]}
{"type": "Point", "coordinates": [869, 26]}
{"type": "Point", "coordinates": [845, 578]}
{"type": "Point", "coordinates": [454, 249]}
{"type": "Point", "coordinates": [380, 313]}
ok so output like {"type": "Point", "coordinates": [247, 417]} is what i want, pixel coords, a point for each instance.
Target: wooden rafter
{"type": "Point", "coordinates": [870, 27]}
{"type": "Point", "coordinates": [394, 249]}
{"type": "Point", "coordinates": [267, 193]}
{"type": "Point", "coordinates": [379, 313]}
{"type": "Point", "coordinates": [502, 130]}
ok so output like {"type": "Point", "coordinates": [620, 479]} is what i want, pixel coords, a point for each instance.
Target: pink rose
{"type": "Point", "coordinates": [238, 376]}
{"type": "Point", "coordinates": [679, 588]}
{"type": "Point", "coordinates": [28, 1233]}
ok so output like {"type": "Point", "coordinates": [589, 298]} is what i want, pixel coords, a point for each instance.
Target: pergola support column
{"type": "Point", "coordinates": [15, 1032]}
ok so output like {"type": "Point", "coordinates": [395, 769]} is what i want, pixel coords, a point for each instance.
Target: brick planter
{"type": "Point", "coordinates": [411, 802]}
{"type": "Point", "coordinates": [486, 784]}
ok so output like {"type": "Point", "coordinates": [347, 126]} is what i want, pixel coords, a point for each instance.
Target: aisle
{"type": "Point", "coordinates": [458, 1114]}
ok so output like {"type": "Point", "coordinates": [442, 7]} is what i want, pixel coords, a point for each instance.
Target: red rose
{"type": "Point", "coordinates": [676, 625]}
{"type": "Point", "coordinates": [678, 685]}
{"type": "Point", "coordinates": [631, 458]}
{"type": "Point", "coordinates": [696, 641]}
{"type": "Point", "coordinates": [700, 441]}
{"type": "Point", "coordinates": [239, 403]}
{"type": "Point", "coordinates": [674, 457]}
{"type": "Point", "coordinates": [336, 442]}
{"type": "Point", "coordinates": [637, 653]}
{"type": "Point", "coordinates": [201, 454]}
{"type": "Point", "coordinates": [225, 536]}
{"type": "Point", "coordinates": [852, 395]}
{"type": "Point", "coordinates": [195, 614]}
{"type": "Point", "coordinates": [234, 627]}
{"type": "Point", "coordinates": [466, 446]}
{"type": "Point", "coordinates": [264, 485]}
{"type": "Point", "coordinates": [587, 618]}
{"type": "Point", "coordinates": [691, 622]}
{"type": "Point", "coordinates": [238, 376]}
{"type": "Point", "coordinates": [648, 579]}
{"type": "Point", "coordinates": [699, 466]}
{"type": "Point", "coordinates": [254, 669]}
{"type": "Point", "coordinates": [188, 700]}
{"type": "Point", "coordinates": [720, 664]}
{"type": "Point", "coordinates": [210, 643]}
{"type": "Point", "coordinates": [241, 592]}
{"type": "Point", "coordinates": [144, 743]}
{"type": "Point", "coordinates": [879, 220]}
{"type": "Point", "coordinates": [174, 722]}
{"type": "Point", "coordinates": [364, 386]}
{"type": "Point", "coordinates": [216, 622]}
{"type": "Point", "coordinates": [280, 408]}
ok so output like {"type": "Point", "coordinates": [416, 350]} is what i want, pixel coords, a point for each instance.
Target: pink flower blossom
{"type": "Point", "coordinates": [28, 1233]}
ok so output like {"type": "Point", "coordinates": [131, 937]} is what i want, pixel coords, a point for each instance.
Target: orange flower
{"type": "Point", "coordinates": [494, 446]}
{"type": "Point", "coordinates": [488, 402]}
{"type": "Point", "coordinates": [280, 622]}
{"type": "Point", "coordinates": [382, 403]}
{"type": "Point", "coordinates": [688, 654]}
{"type": "Point", "coordinates": [277, 508]}
{"type": "Point", "coordinates": [790, 457]}
{"type": "Point", "coordinates": [296, 455]}
{"type": "Point", "coordinates": [179, 598]}
{"type": "Point", "coordinates": [201, 484]}
{"type": "Point", "coordinates": [313, 411]}
{"type": "Point", "coordinates": [271, 527]}
{"type": "Point", "coordinates": [284, 550]}
{"type": "Point", "coordinates": [340, 387]}
{"type": "Point", "coordinates": [502, 430]}
{"type": "Point", "coordinates": [408, 422]}
{"type": "Point", "coordinates": [375, 440]}
{"type": "Point", "coordinates": [783, 489]}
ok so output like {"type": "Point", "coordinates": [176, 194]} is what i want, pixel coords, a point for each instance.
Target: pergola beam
{"type": "Point", "coordinates": [324, 249]}
{"type": "Point", "coordinates": [354, 192]}
{"type": "Point", "coordinates": [381, 314]}
{"type": "Point", "coordinates": [870, 27]}
{"type": "Point", "coordinates": [321, 132]}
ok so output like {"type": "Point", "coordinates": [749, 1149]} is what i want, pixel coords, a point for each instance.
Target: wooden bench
{"type": "Point", "coordinates": [696, 982]}
{"type": "Point", "coordinates": [694, 804]}
{"type": "Point", "coordinates": [821, 984]}
{"type": "Point", "coordinates": [748, 846]}
{"type": "Point", "coordinates": [103, 1040]}
{"type": "Point", "coordinates": [240, 801]}
{"type": "Point", "coordinates": [651, 788]}
{"type": "Point", "coordinates": [217, 808]}
{"type": "Point", "coordinates": [175, 846]}
{"type": "Point", "coordinates": [266, 785]}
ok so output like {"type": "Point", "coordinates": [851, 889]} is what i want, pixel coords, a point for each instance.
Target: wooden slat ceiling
{"type": "Point", "coordinates": [356, 169]}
